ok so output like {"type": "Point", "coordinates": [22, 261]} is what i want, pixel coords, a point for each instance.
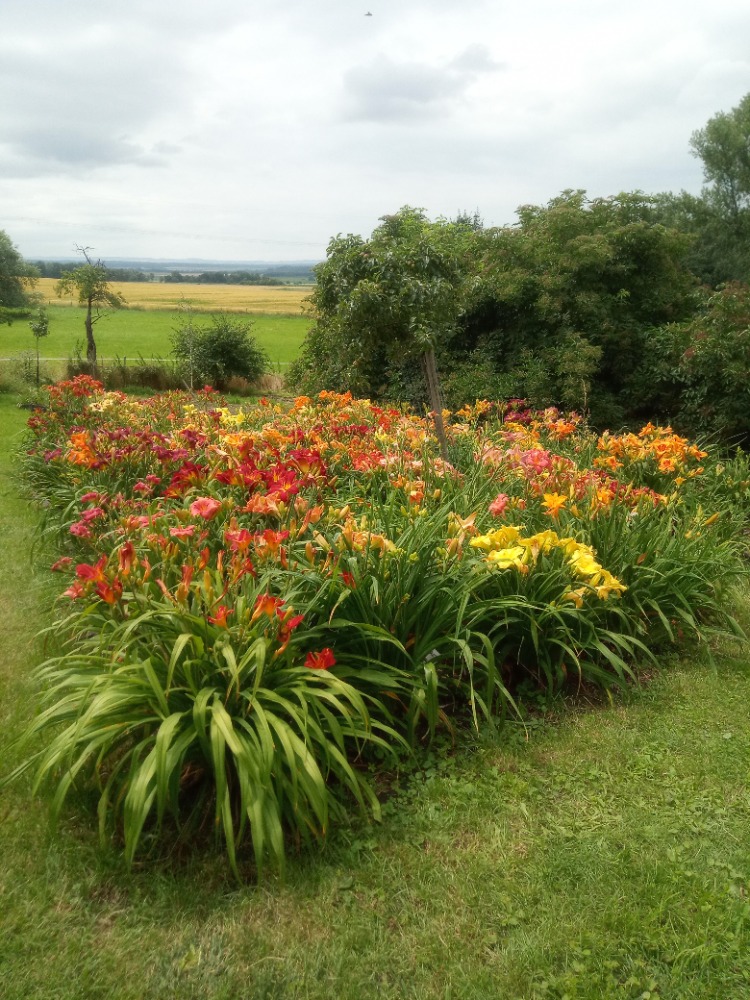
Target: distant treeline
{"type": "Point", "coordinates": [223, 278]}
{"type": "Point", "coordinates": [277, 274]}
{"type": "Point", "coordinates": [56, 269]}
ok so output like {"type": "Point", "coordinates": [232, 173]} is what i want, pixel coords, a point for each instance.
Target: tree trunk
{"type": "Point", "coordinates": [90, 342]}
{"type": "Point", "coordinates": [433, 389]}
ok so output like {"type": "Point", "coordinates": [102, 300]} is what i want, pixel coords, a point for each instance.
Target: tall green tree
{"type": "Point", "coordinates": [563, 301]}
{"type": "Point", "coordinates": [723, 145]}
{"type": "Point", "coordinates": [17, 279]}
{"type": "Point", "coordinates": [90, 284]}
{"type": "Point", "coordinates": [719, 218]}
{"type": "Point", "coordinates": [391, 300]}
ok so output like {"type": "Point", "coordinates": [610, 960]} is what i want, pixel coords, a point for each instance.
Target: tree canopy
{"type": "Point", "coordinates": [563, 301]}
{"type": "Point", "coordinates": [17, 280]}
{"type": "Point", "coordinates": [555, 308]}
{"type": "Point", "coordinates": [718, 218]}
{"type": "Point", "coordinates": [724, 147]}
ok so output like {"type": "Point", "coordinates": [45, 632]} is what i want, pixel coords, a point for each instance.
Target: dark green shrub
{"type": "Point", "coordinates": [466, 381]}
{"type": "Point", "coordinates": [216, 353]}
{"type": "Point", "coordinates": [715, 367]}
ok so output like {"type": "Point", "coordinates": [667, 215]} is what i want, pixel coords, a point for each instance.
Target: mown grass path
{"type": "Point", "coordinates": [605, 853]}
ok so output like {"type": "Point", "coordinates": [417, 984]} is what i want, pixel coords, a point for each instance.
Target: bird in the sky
{"type": "Point", "coordinates": [368, 14]}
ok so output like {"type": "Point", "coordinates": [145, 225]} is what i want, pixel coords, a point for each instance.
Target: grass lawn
{"type": "Point", "coordinates": [128, 333]}
{"type": "Point", "coordinates": [602, 852]}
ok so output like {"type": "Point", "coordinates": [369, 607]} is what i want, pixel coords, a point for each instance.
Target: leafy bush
{"type": "Point", "coordinates": [181, 719]}
{"type": "Point", "coordinates": [696, 374]}
{"type": "Point", "coordinates": [215, 353]}
{"type": "Point", "coordinates": [715, 367]}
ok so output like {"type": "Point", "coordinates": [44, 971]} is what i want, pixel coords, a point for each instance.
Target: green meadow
{"type": "Point", "coordinates": [130, 333]}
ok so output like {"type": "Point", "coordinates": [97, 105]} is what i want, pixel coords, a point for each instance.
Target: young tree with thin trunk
{"type": "Point", "coordinates": [393, 297]}
{"type": "Point", "coordinates": [40, 328]}
{"type": "Point", "coordinates": [90, 284]}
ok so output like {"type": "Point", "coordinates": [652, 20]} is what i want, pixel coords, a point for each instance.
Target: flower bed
{"type": "Point", "coordinates": [258, 603]}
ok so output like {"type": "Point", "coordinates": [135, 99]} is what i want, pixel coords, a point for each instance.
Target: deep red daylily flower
{"type": "Point", "coordinates": [321, 660]}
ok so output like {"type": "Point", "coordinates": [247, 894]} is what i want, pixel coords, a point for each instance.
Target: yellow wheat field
{"type": "Point", "coordinates": [287, 300]}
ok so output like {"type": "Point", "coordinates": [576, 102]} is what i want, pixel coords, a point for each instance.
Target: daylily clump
{"type": "Point", "coordinates": [317, 579]}
{"type": "Point", "coordinates": [203, 499]}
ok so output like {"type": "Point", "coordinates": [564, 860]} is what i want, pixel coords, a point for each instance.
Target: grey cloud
{"type": "Point", "coordinates": [476, 59]}
{"type": "Point", "coordinates": [387, 91]}
{"type": "Point", "coordinates": [55, 150]}
{"type": "Point", "coordinates": [88, 101]}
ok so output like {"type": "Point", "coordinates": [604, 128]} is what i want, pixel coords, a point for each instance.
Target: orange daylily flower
{"type": "Point", "coordinates": [554, 503]}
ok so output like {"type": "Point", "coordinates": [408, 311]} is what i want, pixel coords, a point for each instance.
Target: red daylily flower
{"type": "Point", "coordinates": [321, 660]}
{"type": "Point", "coordinates": [91, 514]}
{"type": "Point", "coordinates": [220, 618]}
{"type": "Point", "coordinates": [187, 532]}
{"type": "Point", "coordinates": [126, 558]}
{"type": "Point", "coordinates": [109, 592]}
{"type": "Point", "coordinates": [239, 540]}
{"type": "Point", "coordinates": [94, 573]}
{"type": "Point", "coordinates": [81, 530]}
{"type": "Point", "coordinates": [266, 604]}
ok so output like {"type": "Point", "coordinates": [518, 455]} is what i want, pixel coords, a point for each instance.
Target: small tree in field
{"type": "Point", "coordinates": [40, 328]}
{"type": "Point", "coordinates": [90, 284]}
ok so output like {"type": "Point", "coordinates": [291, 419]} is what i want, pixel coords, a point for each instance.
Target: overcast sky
{"type": "Point", "coordinates": [242, 130]}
